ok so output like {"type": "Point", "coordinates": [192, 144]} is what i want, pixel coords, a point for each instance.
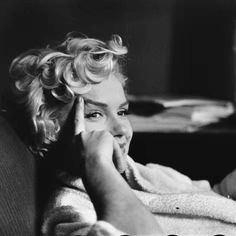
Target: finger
{"type": "Point", "coordinates": [118, 159]}
{"type": "Point", "coordinates": [79, 116]}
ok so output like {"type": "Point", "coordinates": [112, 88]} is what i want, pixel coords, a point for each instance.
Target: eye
{"type": "Point", "coordinates": [93, 115]}
{"type": "Point", "coordinates": [123, 112]}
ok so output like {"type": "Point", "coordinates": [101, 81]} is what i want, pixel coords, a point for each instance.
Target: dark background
{"type": "Point", "coordinates": [176, 47]}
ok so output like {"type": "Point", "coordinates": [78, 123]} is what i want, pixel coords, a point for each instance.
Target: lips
{"type": "Point", "coordinates": [123, 147]}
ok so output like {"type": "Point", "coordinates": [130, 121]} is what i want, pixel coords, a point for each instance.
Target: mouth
{"type": "Point", "coordinates": [123, 148]}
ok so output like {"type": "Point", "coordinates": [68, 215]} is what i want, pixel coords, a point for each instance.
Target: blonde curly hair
{"type": "Point", "coordinates": [50, 78]}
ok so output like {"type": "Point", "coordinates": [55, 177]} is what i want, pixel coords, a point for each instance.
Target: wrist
{"type": "Point", "coordinates": [96, 163]}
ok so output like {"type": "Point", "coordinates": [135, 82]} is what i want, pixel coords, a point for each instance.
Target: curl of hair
{"type": "Point", "coordinates": [49, 79]}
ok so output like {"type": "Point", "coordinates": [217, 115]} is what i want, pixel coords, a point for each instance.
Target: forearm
{"type": "Point", "coordinates": [115, 202]}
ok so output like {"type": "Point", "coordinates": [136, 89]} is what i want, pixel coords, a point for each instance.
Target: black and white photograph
{"type": "Point", "coordinates": [118, 118]}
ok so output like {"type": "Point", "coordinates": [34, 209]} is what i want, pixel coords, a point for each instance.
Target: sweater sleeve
{"type": "Point", "coordinates": [102, 228]}
{"type": "Point", "coordinates": [66, 221]}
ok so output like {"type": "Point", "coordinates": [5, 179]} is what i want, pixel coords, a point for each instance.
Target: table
{"type": "Point", "coordinates": [209, 153]}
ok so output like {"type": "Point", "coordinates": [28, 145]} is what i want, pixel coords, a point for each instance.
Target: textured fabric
{"type": "Point", "coordinates": [17, 186]}
{"type": "Point", "coordinates": [180, 205]}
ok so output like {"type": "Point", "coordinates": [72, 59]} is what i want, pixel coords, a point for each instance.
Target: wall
{"type": "Point", "coordinates": [175, 47]}
{"type": "Point", "coordinates": [202, 56]}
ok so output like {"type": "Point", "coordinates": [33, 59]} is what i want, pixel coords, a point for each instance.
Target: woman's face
{"type": "Point", "coordinates": [106, 108]}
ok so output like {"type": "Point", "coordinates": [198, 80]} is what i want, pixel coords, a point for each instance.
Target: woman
{"type": "Point", "coordinates": [75, 96]}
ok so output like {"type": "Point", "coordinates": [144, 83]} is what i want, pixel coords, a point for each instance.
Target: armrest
{"type": "Point", "coordinates": [17, 184]}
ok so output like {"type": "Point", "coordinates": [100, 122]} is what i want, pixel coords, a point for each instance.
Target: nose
{"type": "Point", "coordinates": [118, 128]}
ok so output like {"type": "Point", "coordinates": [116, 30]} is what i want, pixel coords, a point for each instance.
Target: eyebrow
{"type": "Point", "coordinates": [101, 104]}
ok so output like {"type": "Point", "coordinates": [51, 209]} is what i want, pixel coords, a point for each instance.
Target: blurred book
{"type": "Point", "coordinates": [153, 114]}
{"type": "Point", "coordinates": [169, 101]}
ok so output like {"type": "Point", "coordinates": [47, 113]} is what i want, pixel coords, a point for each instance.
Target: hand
{"type": "Point", "coordinates": [109, 192]}
{"type": "Point", "coordinates": [227, 187]}
{"type": "Point", "coordinates": [96, 147]}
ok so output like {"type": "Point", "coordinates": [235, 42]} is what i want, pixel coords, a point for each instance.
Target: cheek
{"type": "Point", "coordinates": [94, 126]}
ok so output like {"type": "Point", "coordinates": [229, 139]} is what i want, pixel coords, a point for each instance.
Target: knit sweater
{"type": "Point", "coordinates": [181, 206]}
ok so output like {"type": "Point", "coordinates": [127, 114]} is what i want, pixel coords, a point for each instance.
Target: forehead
{"type": "Point", "coordinates": [107, 91]}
